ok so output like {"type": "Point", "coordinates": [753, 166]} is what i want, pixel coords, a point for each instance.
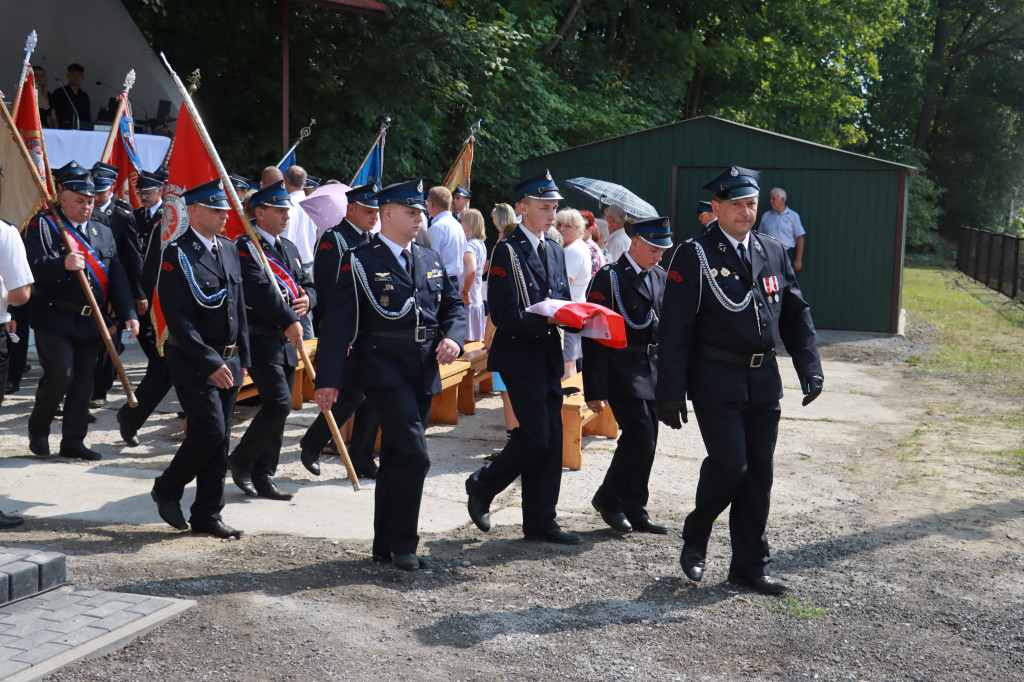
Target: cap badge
{"type": "Point", "coordinates": [734, 172]}
{"type": "Point", "coordinates": [419, 187]}
{"type": "Point", "coordinates": [547, 175]}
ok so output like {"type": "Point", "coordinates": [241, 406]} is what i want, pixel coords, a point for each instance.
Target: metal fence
{"type": "Point", "coordinates": [995, 260]}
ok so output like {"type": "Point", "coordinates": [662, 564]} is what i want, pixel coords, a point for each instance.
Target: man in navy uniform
{"type": "Point", "coordinates": [397, 308]}
{"type": "Point", "coordinates": [149, 215]}
{"type": "Point", "coordinates": [117, 215]}
{"type": "Point", "coordinates": [352, 232]}
{"type": "Point", "coordinates": [207, 351]}
{"type": "Point", "coordinates": [67, 339]}
{"type": "Point", "coordinates": [460, 200]}
{"type": "Point", "coordinates": [526, 350]}
{"type": "Point", "coordinates": [731, 294]}
{"type": "Point", "coordinates": [274, 303]}
{"type": "Point", "coordinates": [626, 378]}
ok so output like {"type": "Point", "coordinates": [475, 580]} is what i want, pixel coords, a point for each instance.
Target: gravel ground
{"type": "Point", "coordinates": [904, 546]}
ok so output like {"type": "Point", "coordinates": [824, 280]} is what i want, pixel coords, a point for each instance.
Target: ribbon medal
{"type": "Point", "coordinates": [771, 285]}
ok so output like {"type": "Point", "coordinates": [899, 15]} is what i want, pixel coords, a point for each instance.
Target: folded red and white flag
{"type": "Point", "coordinates": [594, 321]}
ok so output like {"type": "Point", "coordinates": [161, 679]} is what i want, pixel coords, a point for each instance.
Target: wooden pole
{"type": "Point", "coordinates": [97, 314]}
{"type": "Point", "coordinates": [129, 81]}
{"type": "Point", "coordinates": [229, 189]}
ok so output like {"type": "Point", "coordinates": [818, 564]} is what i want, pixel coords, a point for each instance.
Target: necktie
{"type": "Point", "coordinates": [542, 253]}
{"type": "Point", "coordinates": [743, 256]}
{"type": "Point", "coordinates": [214, 249]}
{"type": "Point", "coordinates": [643, 275]}
{"type": "Point", "coordinates": [407, 254]}
{"type": "Point", "coordinates": [277, 246]}
{"type": "Point", "coordinates": [84, 231]}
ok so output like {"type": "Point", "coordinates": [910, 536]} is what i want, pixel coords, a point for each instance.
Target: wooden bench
{"type": "Point", "coordinates": [476, 355]}
{"type": "Point", "coordinates": [578, 420]}
{"type": "Point", "coordinates": [444, 405]}
{"type": "Point", "coordinates": [302, 389]}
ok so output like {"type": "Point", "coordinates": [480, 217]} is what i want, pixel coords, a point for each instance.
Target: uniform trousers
{"type": "Point", "coordinates": [151, 391]}
{"type": "Point", "coordinates": [19, 351]}
{"type": "Point", "coordinates": [351, 400]}
{"type": "Point", "coordinates": [203, 455]}
{"type": "Point", "coordinates": [259, 449]}
{"type": "Point", "coordinates": [68, 366]}
{"type": "Point", "coordinates": [624, 489]}
{"type": "Point", "coordinates": [740, 440]}
{"type": "Point", "coordinates": [404, 463]}
{"type": "Point", "coordinates": [534, 451]}
{"type": "Point", "coordinates": [147, 337]}
{"type": "Point", "coordinates": [105, 373]}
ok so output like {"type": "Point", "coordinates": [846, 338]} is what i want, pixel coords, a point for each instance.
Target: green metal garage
{"type": "Point", "coordinates": [853, 207]}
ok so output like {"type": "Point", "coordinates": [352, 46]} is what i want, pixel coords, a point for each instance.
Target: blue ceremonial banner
{"type": "Point", "coordinates": [372, 169]}
{"type": "Point", "coordinates": [288, 161]}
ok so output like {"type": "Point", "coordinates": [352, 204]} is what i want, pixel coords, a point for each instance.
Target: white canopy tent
{"type": "Point", "coordinates": [98, 34]}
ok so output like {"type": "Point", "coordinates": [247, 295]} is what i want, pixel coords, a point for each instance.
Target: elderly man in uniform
{"type": "Point", "coordinates": [151, 213]}
{"type": "Point", "coordinates": [731, 294]}
{"type": "Point", "coordinates": [353, 231]}
{"type": "Point", "coordinates": [460, 200]}
{"type": "Point", "coordinates": [397, 308]}
{"type": "Point", "coordinates": [446, 234]}
{"type": "Point", "coordinates": [626, 378]}
{"type": "Point", "coordinates": [67, 339]}
{"type": "Point", "coordinates": [117, 215]}
{"type": "Point", "coordinates": [207, 352]}
{"type": "Point", "coordinates": [526, 350]}
{"type": "Point", "coordinates": [274, 303]}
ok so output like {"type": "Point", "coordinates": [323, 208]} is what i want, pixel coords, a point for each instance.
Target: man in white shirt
{"type": "Point", "coordinates": [618, 240]}
{"type": "Point", "coordinates": [446, 234]}
{"type": "Point", "coordinates": [15, 288]}
{"type": "Point", "coordinates": [301, 230]}
{"type": "Point", "coordinates": [783, 223]}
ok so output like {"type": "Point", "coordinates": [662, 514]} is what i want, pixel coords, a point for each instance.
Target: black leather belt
{"type": "Point", "coordinates": [753, 361]}
{"type": "Point", "coordinates": [642, 348]}
{"type": "Point", "coordinates": [225, 352]}
{"type": "Point", "coordinates": [82, 310]}
{"type": "Point", "coordinates": [272, 332]}
{"type": "Point", "coordinates": [417, 334]}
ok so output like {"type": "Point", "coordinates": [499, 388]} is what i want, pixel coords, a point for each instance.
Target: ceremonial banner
{"type": "Point", "coordinates": [125, 155]}
{"type": "Point", "coordinates": [19, 194]}
{"type": "Point", "coordinates": [288, 161]}
{"type": "Point", "coordinates": [460, 171]}
{"type": "Point", "coordinates": [594, 321]}
{"type": "Point", "coordinates": [372, 169]}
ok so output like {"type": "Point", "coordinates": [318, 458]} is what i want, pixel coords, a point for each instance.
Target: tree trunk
{"type": "Point", "coordinates": [562, 28]}
{"type": "Point", "coordinates": [936, 73]}
{"type": "Point", "coordinates": [694, 93]}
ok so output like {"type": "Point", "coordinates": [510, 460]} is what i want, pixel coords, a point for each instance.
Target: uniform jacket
{"type": "Point", "coordinates": [332, 246]}
{"type": "Point", "coordinates": [693, 316]}
{"type": "Point", "coordinates": [145, 226]}
{"type": "Point", "coordinates": [46, 253]}
{"type": "Point", "coordinates": [348, 314]}
{"type": "Point", "coordinates": [266, 310]}
{"type": "Point", "coordinates": [121, 221]}
{"type": "Point", "coordinates": [524, 343]}
{"type": "Point", "coordinates": [622, 373]}
{"type": "Point", "coordinates": [194, 327]}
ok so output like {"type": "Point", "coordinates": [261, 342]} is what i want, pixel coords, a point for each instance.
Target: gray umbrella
{"type": "Point", "coordinates": [611, 194]}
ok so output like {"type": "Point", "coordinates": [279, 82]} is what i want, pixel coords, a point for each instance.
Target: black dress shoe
{"type": "Point", "coordinates": [79, 451]}
{"type": "Point", "coordinates": [366, 470]}
{"type": "Point", "coordinates": [169, 511]}
{"type": "Point", "coordinates": [644, 524]}
{"type": "Point", "coordinates": [765, 584]}
{"type": "Point", "coordinates": [479, 509]}
{"type": "Point", "coordinates": [127, 435]}
{"type": "Point", "coordinates": [555, 535]}
{"type": "Point", "coordinates": [179, 415]}
{"type": "Point", "coordinates": [692, 561]}
{"type": "Point", "coordinates": [39, 445]}
{"type": "Point", "coordinates": [266, 487]}
{"type": "Point", "coordinates": [10, 521]}
{"type": "Point", "coordinates": [410, 562]}
{"type": "Point", "coordinates": [311, 460]}
{"type": "Point", "coordinates": [242, 479]}
{"type": "Point", "coordinates": [11, 388]}
{"type": "Point", "coordinates": [617, 520]}
{"type": "Point", "coordinates": [90, 418]}
{"type": "Point", "coordinates": [216, 528]}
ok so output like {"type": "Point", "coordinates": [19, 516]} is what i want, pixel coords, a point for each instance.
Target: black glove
{"type": "Point", "coordinates": [811, 386]}
{"type": "Point", "coordinates": [670, 412]}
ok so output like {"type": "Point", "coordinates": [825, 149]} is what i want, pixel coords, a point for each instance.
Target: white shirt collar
{"type": "Point", "coordinates": [735, 243]}
{"type": "Point", "coordinates": [441, 215]}
{"type": "Point", "coordinates": [266, 235]}
{"type": "Point", "coordinates": [534, 239]}
{"type": "Point", "coordinates": [633, 263]}
{"type": "Point", "coordinates": [206, 242]}
{"type": "Point", "coordinates": [395, 248]}
{"type": "Point", "coordinates": [156, 207]}
{"type": "Point", "coordinates": [104, 206]}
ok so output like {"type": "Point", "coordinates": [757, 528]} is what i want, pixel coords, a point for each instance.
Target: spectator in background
{"type": "Point", "coordinates": [471, 283]}
{"type": "Point", "coordinates": [571, 226]}
{"type": "Point", "coordinates": [783, 223]}
{"type": "Point", "coordinates": [42, 96]}
{"type": "Point", "coordinates": [445, 232]}
{"type": "Point", "coordinates": [15, 287]}
{"type": "Point", "coordinates": [270, 175]}
{"type": "Point", "coordinates": [70, 103]}
{"type": "Point", "coordinates": [301, 229]}
{"type": "Point", "coordinates": [590, 231]}
{"type": "Point", "coordinates": [618, 238]}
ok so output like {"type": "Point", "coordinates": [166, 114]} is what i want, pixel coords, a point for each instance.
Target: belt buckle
{"type": "Point", "coordinates": [229, 352]}
{"type": "Point", "coordinates": [756, 360]}
{"type": "Point", "coordinates": [652, 348]}
{"type": "Point", "coordinates": [86, 311]}
{"type": "Point", "coordinates": [419, 334]}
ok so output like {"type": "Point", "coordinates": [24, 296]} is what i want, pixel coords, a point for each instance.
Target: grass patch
{"type": "Point", "coordinates": [800, 611]}
{"type": "Point", "coordinates": [979, 332]}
